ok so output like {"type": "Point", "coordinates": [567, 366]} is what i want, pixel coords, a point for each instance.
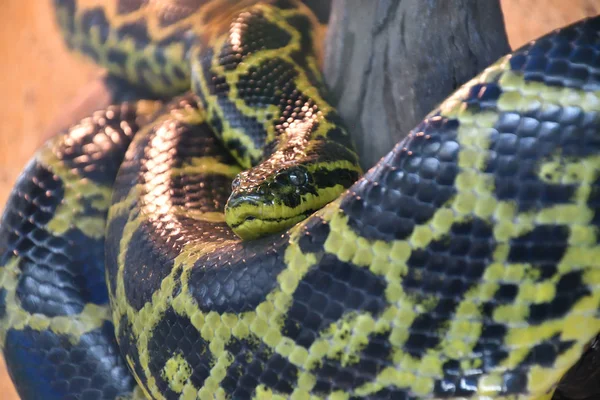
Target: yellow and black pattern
{"type": "Point", "coordinates": [463, 265]}
{"type": "Point", "coordinates": [264, 97]}
{"type": "Point", "coordinates": [55, 329]}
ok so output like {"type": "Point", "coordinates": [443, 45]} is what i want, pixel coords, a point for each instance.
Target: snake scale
{"type": "Point", "coordinates": [462, 265]}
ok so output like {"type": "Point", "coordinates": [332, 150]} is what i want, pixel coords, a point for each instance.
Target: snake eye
{"type": "Point", "coordinates": [298, 176]}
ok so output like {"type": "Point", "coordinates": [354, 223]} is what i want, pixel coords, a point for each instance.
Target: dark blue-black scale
{"type": "Point", "coordinates": [331, 375]}
{"type": "Point", "coordinates": [2, 303]}
{"type": "Point", "coordinates": [143, 256]}
{"type": "Point", "coordinates": [521, 141]}
{"type": "Point", "coordinates": [240, 277]}
{"type": "Point", "coordinates": [568, 58]}
{"type": "Point", "coordinates": [128, 347]}
{"type": "Point", "coordinates": [148, 258]}
{"type": "Point", "coordinates": [254, 363]}
{"type": "Point", "coordinates": [445, 270]}
{"type": "Point", "coordinates": [338, 132]}
{"type": "Point", "coordinates": [483, 97]}
{"type": "Point", "coordinates": [50, 367]}
{"type": "Point", "coordinates": [455, 382]}
{"type": "Point", "coordinates": [572, 289]}
{"type": "Point", "coordinates": [545, 247]}
{"type": "Point", "coordinates": [95, 18]}
{"type": "Point", "coordinates": [60, 274]}
{"type": "Point", "coordinates": [409, 185]}
{"type": "Point", "coordinates": [313, 237]}
{"type": "Point", "coordinates": [174, 335]}
{"type": "Point", "coordinates": [138, 31]}
{"type": "Point", "coordinates": [217, 86]}
{"type": "Point", "coordinates": [392, 393]}
{"type": "Point", "coordinates": [327, 292]}
{"type": "Point", "coordinates": [546, 352]}
{"type": "Point", "coordinates": [304, 26]}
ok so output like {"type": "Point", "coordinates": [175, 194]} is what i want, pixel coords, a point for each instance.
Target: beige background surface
{"type": "Point", "coordinates": [38, 77]}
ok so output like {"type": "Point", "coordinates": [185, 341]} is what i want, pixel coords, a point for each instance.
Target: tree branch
{"type": "Point", "coordinates": [389, 62]}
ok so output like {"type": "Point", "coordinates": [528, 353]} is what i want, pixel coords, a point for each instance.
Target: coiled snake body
{"type": "Point", "coordinates": [463, 265]}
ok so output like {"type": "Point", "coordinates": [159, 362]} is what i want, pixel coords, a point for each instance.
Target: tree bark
{"type": "Point", "coordinates": [390, 62]}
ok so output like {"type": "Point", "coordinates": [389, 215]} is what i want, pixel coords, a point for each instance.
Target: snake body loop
{"type": "Point", "coordinates": [463, 265]}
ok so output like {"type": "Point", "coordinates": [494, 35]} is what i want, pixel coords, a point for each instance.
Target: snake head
{"type": "Point", "coordinates": [266, 200]}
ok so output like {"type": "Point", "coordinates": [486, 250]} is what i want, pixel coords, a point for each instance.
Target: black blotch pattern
{"type": "Point", "coordinates": [568, 58]}
{"type": "Point", "coordinates": [149, 261]}
{"type": "Point", "coordinates": [239, 278]}
{"type": "Point", "coordinates": [271, 83]}
{"type": "Point", "coordinates": [95, 18]}
{"type": "Point", "coordinates": [593, 201]}
{"type": "Point", "coordinates": [326, 293]}
{"type": "Point", "coordinates": [61, 278]}
{"type": "Point", "coordinates": [330, 178]}
{"type": "Point", "coordinates": [114, 230]}
{"type": "Point", "coordinates": [456, 383]}
{"type": "Point", "coordinates": [482, 97]}
{"type": "Point", "coordinates": [490, 345]}
{"type": "Point", "coordinates": [68, 7]}
{"type": "Point", "coordinates": [322, 9]}
{"type": "Point", "coordinates": [58, 274]}
{"type": "Point", "coordinates": [546, 352]}
{"type": "Point", "coordinates": [2, 303]}
{"type": "Point", "coordinates": [445, 270]}
{"type": "Point", "coordinates": [51, 367]}
{"type": "Point", "coordinates": [217, 86]}
{"type": "Point", "coordinates": [314, 235]}
{"type": "Point", "coordinates": [136, 31]}
{"type": "Point", "coordinates": [146, 77]}
{"type": "Point", "coordinates": [116, 56]}
{"type": "Point", "coordinates": [321, 178]}
{"type": "Point", "coordinates": [303, 25]}
{"type": "Point", "coordinates": [490, 349]}
{"type": "Point", "coordinates": [331, 375]}
{"type": "Point", "coordinates": [127, 345]}
{"type": "Point", "coordinates": [175, 335]}
{"type": "Point", "coordinates": [255, 33]}
{"type": "Point", "coordinates": [408, 186]}
{"type": "Point", "coordinates": [569, 290]}
{"type": "Point", "coordinates": [326, 150]}
{"type": "Point", "coordinates": [254, 364]}
{"type": "Point", "coordinates": [32, 204]}
{"type": "Point", "coordinates": [545, 244]}
{"type": "Point", "coordinates": [521, 142]}
{"type": "Point", "coordinates": [389, 394]}
{"type": "Point", "coordinates": [90, 51]}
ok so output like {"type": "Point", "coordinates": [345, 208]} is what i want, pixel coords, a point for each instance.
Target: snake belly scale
{"type": "Point", "coordinates": [463, 265]}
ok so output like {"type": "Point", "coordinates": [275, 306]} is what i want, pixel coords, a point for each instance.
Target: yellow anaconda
{"type": "Point", "coordinates": [463, 265]}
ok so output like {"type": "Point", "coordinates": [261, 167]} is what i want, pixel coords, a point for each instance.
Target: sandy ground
{"type": "Point", "coordinates": [38, 77]}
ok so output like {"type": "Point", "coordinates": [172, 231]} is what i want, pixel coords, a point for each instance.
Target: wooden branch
{"type": "Point", "coordinates": [389, 62]}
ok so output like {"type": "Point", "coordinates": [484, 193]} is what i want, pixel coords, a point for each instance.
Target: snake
{"type": "Point", "coordinates": [219, 240]}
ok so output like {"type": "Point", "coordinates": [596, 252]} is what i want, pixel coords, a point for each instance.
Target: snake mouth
{"type": "Point", "coordinates": [252, 225]}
